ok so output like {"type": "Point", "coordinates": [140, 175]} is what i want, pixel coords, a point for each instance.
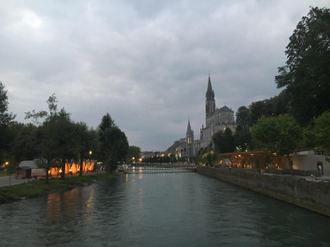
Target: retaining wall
{"type": "Point", "coordinates": [301, 192]}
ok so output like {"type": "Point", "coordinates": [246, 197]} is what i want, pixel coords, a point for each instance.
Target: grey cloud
{"type": "Point", "coordinates": [144, 62]}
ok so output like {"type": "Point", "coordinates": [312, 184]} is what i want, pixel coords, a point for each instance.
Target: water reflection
{"type": "Point", "coordinates": [164, 209]}
{"type": "Point", "coordinates": [67, 216]}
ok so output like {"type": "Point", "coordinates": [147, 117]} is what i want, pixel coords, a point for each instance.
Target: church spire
{"type": "Point", "coordinates": [209, 93]}
{"type": "Point", "coordinates": [209, 101]}
{"type": "Point", "coordinates": [188, 127]}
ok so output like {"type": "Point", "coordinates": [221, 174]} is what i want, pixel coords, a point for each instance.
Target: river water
{"type": "Point", "coordinates": [160, 209]}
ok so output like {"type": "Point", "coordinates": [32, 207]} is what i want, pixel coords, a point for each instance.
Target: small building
{"type": "Point", "coordinates": [23, 172]}
{"type": "Point", "coordinates": [28, 167]}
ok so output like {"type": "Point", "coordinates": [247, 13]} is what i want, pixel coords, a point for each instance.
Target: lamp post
{"type": "Point", "coordinates": [90, 158]}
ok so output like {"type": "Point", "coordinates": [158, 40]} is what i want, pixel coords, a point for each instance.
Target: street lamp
{"type": "Point", "coordinates": [90, 158]}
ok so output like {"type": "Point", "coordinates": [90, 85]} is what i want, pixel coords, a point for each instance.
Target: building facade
{"type": "Point", "coordinates": [215, 120]}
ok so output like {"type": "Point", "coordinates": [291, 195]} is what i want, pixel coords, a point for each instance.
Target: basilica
{"type": "Point", "coordinates": [215, 120]}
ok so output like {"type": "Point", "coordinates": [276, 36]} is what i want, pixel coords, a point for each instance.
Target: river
{"type": "Point", "coordinates": [160, 209]}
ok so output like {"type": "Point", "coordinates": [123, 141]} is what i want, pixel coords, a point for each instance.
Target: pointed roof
{"type": "Point", "coordinates": [225, 108]}
{"type": "Point", "coordinates": [188, 127]}
{"type": "Point", "coordinates": [209, 93]}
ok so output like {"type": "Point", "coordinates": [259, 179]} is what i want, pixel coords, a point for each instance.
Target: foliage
{"type": "Point", "coordinates": [5, 120]}
{"type": "Point", "coordinates": [322, 133]}
{"type": "Point", "coordinates": [133, 153]}
{"type": "Point", "coordinates": [52, 107]}
{"type": "Point", "coordinates": [242, 139]}
{"type": "Point", "coordinates": [5, 116]}
{"type": "Point", "coordinates": [23, 141]}
{"type": "Point", "coordinates": [242, 117]}
{"type": "Point", "coordinates": [84, 139]}
{"type": "Point", "coordinates": [306, 74]}
{"type": "Point", "coordinates": [113, 144]}
{"type": "Point", "coordinates": [224, 141]}
{"type": "Point", "coordinates": [281, 135]}
{"type": "Point", "coordinates": [207, 156]}
{"type": "Point", "coordinates": [65, 138]}
{"type": "Point", "coordinates": [259, 109]}
{"type": "Point", "coordinates": [106, 123]}
{"type": "Point", "coordinates": [56, 140]}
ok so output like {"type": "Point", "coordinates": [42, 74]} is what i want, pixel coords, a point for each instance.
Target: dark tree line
{"type": "Point", "coordinates": [299, 117]}
{"type": "Point", "coordinates": [53, 138]}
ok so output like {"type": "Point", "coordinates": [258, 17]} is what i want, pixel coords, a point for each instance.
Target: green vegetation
{"type": "Point", "coordinates": [3, 174]}
{"type": "Point", "coordinates": [281, 135]}
{"type": "Point", "coordinates": [54, 138]}
{"type": "Point", "coordinates": [133, 153]}
{"type": "Point", "coordinates": [306, 73]}
{"type": "Point", "coordinates": [299, 116]}
{"type": "Point", "coordinates": [39, 187]}
{"type": "Point", "coordinates": [322, 132]}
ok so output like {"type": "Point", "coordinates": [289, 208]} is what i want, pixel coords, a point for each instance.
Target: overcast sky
{"type": "Point", "coordinates": [146, 63]}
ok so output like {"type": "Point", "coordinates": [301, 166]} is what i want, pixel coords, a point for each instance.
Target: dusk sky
{"type": "Point", "coordinates": [146, 63]}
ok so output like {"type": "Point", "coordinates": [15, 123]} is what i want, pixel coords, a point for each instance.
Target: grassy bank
{"type": "Point", "coordinates": [3, 174]}
{"type": "Point", "coordinates": [39, 187]}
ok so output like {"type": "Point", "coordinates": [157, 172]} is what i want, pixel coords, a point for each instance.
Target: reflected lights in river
{"type": "Point", "coordinates": [65, 203]}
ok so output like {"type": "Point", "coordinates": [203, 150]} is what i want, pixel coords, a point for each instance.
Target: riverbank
{"type": "Point", "coordinates": [37, 188]}
{"type": "Point", "coordinates": [312, 195]}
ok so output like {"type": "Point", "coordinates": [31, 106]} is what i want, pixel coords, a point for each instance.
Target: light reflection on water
{"type": "Point", "coordinates": [162, 209]}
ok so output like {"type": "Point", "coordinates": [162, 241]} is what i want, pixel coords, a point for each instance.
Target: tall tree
{"type": "Point", "coordinates": [224, 141]}
{"type": "Point", "coordinates": [24, 141]}
{"type": "Point", "coordinates": [306, 74]}
{"type": "Point", "coordinates": [65, 137]}
{"type": "Point", "coordinates": [242, 117]}
{"type": "Point", "coordinates": [5, 116]}
{"type": "Point", "coordinates": [5, 119]}
{"type": "Point", "coordinates": [53, 144]}
{"type": "Point", "coordinates": [113, 144]}
{"type": "Point", "coordinates": [281, 135]}
{"type": "Point", "coordinates": [84, 139]}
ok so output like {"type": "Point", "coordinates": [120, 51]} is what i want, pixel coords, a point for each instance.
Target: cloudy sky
{"type": "Point", "coordinates": [144, 62]}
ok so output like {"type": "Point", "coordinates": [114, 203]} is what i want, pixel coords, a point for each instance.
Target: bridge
{"type": "Point", "coordinates": [157, 168]}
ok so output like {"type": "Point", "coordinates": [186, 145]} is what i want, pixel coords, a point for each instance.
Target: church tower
{"type": "Point", "coordinates": [209, 102]}
{"type": "Point", "coordinates": [190, 141]}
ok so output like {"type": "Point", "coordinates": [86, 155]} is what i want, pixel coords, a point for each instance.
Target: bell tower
{"type": "Point", "coordinates": [209, 99]}
{"type": "Point", "coordinates": [189, 141]}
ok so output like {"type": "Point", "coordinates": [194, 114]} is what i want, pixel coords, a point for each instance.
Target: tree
{"type": "Point", "coordinates": [53, 136]}
{"type": "Point", "coordinates": [5, 116]}
{"type": "Point", "coordinates": [65, 138]}
{"type": "Point", "coordinates": [113, 144]}
{"type": "Point", "coordinates": [259, 109]}
{"type": "Point", "coordinates": [5, 119]}
{"type": "Point", "coordinates": [47, 147]}
{"type": "Point", "coordinates": [322, 133]}
{"type": "Point", "coordinates": [23, 141]}
{"type": "Point", "coordinates": [242, 139]}
{"type": "Point", "coordinates": [224, 141]}
{"type": "Point", "coordinates": [281, 135]}
{"type": "Point", "coordinates": [106, 123]}
{"type": "Point", "coordinates": [84, 139]}
{"type": "Point", "coordinates": [306, 74]}
{"type": "Point", "coordinates": [133, 153]}
{"type": "Point", "coordinates": [242, 117]}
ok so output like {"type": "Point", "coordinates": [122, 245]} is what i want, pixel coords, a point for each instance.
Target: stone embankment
{"type": "Point", "coordinates": [312, 195]}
